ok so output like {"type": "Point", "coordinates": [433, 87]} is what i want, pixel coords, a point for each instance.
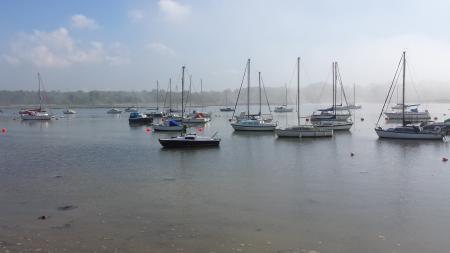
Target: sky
{"type": "Point", "coordinates": [129, 45]}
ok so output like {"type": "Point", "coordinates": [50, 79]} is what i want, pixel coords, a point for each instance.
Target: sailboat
{"type": "Point", "coordinates": [226, 108]}
{"type": "Point", "coordinates": [252, 122]}
{"type": "Point", "coordinates": [114, 111]}
{"type": "Point", "coordinates": [284, 108]}
{"type": "Point", "coordinates": [169, 123]}
{"type": "Point", "coordinates": [36, 114]}
{"type": "Point", "coordinates": [196, 117]}
{"type": "Point", "coordinates": [352, 106]}
{"type": "Point", "coordinates": [333, 113]}
{"type": "Point", "coordinates": [157, 113]}
{"type": "Point", "coordinates": [69, 111]}
{"type": "Point", "coordinates": [405, 130]}
{"type": "Point", "coordinates": [302, 130]}
{"type": "Point", "coordinates": [331, 118]}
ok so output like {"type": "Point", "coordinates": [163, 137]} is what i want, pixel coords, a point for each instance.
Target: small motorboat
{"type": "Point", "coordinates": [69, 111]}
{"type": "Point", "coordinates": [227, 109]}
{"type": "Point", "coordinates": [131, 109]}
{"type": "Point", "coordinates": [283, 108]}
{"type": "Point", "coordinates": [114, 111]}
{"type": "Point", "coordinates": [139, 118]}
{"type": "Point", "coordinates": [190, 141]}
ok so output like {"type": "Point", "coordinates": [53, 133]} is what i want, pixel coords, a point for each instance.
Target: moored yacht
{"type": "Point", "coordinates": [39, 113]}
{"type": "Point", "coordinates": [284, 107]}
{"type": "Point", "coordinates": [302, 130]}
{"type": "Point", "coordinates": [405, 130]}
{"type": "Point", "coordinates": [252, 122]}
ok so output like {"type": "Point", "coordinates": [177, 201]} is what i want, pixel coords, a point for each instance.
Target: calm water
{"type": "Point", "coordinates": [255, 193]}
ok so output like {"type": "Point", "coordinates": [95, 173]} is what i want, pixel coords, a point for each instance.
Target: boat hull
{"type": "Point", "coordinates": [266, 128]}
{"type": "Point", "coordinates": [336, 126]}
{"type": "Point", "coordinates": [140, 121]}
{"type": "Point", "coordinates": [195, 120]}
{"type": "Point", "coordinates": [408, 115]}
{"type": "Point", "coordinates": [295, 132]}
{"type": "Point", "coordinates": [171, 143]}
{"type": "Point", "coordinates": [35, 117]}
{"type": "Point", "coordinates": [407, 136]}
{"type": "Point", "coordinates": [342, 117]}
{"type": "Point", "coordinates": [226, 109]}
{"type": "Point", "coordinates": [283, 110]}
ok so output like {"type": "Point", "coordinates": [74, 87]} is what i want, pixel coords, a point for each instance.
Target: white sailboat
{"type": "Point", "coordinates": [156, 113]}
{"type": "Point", "coordinates": [405, 130]}
{"type": "Point", "coordinates": [302, 130]}
{"type": "Point", "coordinates": [284, 108]}
{"type": "Point", "coordinates": [36, 114]}
{"type": "Point", "coordinates": [252, 122]}
{"type": "Point", "coordinates": [331, 118]}
{"type": "Point", "coordinates": [352, 106]}
{"type": "Point", "coordinates": [226, 108]}
{"type": "Point", "coordinates": [334, 112]}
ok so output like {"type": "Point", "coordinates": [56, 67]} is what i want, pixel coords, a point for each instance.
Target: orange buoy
{"type": "Point", "coordinates": [444, 159]}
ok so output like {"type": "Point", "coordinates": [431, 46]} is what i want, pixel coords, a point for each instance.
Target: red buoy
{"type": "Point", "coordinates": [4, 130]}
{"type": "Point", "coordinates": [148, 129]}
{"type": "Point", "coordinates": [444, 159]}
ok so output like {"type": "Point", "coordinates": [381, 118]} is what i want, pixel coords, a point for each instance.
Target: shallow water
{"type": "Point", "coordinates": [255, 193]}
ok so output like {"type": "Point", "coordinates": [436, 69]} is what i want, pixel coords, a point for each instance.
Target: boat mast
{"type": "Point", "coordinates": [354, 94]}
{"type": "Point", "coordinates": [403, 102]}
{"type": "Point", "coordinates": [170, 94]}
{"type": "Point", "coordinates": [39, 91]}
{"type": "Point", "coordinates": [298, 91]}
{"type": "Point", "coordinates": [248, 88]}
{"type": "Point", "coordinates": [182, 92]}
{"type": "Point", "coordinates": [157, 95]}
{"type": "Point", "coordinates": [190, 92]}
{"type": "Point", "coordinates": [285, 87]}
{"type": "Point", "coordinates": [201, 94]}
{"type": "Point", "coordinates": [334, 87]}
{"type": "Point", "coordinates": [259, 84]}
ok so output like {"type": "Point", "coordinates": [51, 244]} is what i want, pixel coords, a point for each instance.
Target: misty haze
{"type": "Point", "coordinates": [178, 126]}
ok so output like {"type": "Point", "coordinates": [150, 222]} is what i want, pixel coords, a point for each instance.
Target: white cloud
{"type": "Point", "coordinates": [173, 10]}
{"type": "Point", "coordinates": [82, 22]}
{"type": "Point", "coordinates": [160, 48]}
{"type": "Point", "coordinates": [56, 49]}
{"type": "Point", "coordinates": [136, 15]}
